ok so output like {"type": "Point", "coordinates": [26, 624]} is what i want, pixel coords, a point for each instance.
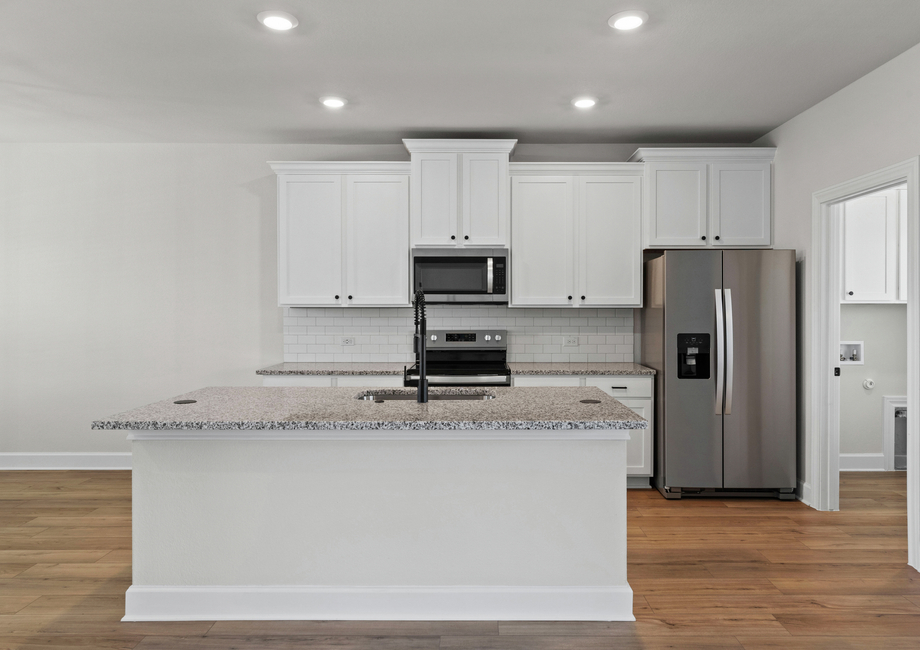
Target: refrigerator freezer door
{"type": "Point", "coordinates": [692, 430]}
{"type": "Point", "coordinates": [759, 438]}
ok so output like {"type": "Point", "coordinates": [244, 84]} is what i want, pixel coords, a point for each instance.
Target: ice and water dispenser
{"type": "Point", "coordinates": [693, 356]}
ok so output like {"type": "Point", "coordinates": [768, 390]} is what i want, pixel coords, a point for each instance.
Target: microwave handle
{"type": "Point", "coordinates": [489, 276]}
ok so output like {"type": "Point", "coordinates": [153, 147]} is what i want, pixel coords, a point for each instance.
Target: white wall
{"type": "Point", "coordinates": [130, 273]}
{"type": "Point", "coordinates": [883, 329]}
{"type": "Point", "coordinates": [870, 124]}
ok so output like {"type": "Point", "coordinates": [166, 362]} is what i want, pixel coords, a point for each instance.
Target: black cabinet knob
{"type": "Point", "coordinates": [717, 238]}
{"type": "Point", "coordinates": [466, 236]}
{"type": "Point", "coordinates": [349, 297]}
{"type": "Point", "coordinates": [582, 297]}
{"type": "Point", "coordinates": [336, 296]}
{"type": "Point", "coordinates": [452, 237]}
{"type": "Point", "coordinates": [850, 293]}
{"type": "Point", "coordinates": [570, 297]}
{"type": "Point", "coordinates": [704, 237]}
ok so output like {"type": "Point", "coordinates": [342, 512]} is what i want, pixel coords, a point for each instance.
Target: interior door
{"type": "Point", "coordinates": [759, 422]}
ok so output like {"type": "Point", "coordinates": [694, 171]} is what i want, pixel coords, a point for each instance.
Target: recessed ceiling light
{"type": "Point", "coordinates": [333, 102]}
{"type": "Point", "coordinates": [627, 19]}
{"type": "Point", "coordinates": [277, 20]}
{"type": "Point", "coordinates": [583, 102]}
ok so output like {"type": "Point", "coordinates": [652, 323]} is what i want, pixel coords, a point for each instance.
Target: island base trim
{"type": "Point", "coordinates": [435, 603]}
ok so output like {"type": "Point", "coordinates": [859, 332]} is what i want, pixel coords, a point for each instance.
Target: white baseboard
{"type": "Point", "coordinates": [448, 603]}
{"type": "Point", "coordinates": [804, 492]}
{"type": "Point", "coordinates": [862, 462]}
{"type": "Point", "coordinates": [74, 460]}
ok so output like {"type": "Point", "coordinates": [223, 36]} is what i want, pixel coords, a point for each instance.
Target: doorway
{"type": "Point", "coordinates": [823, 424]}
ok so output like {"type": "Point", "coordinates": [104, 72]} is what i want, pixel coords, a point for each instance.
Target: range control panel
{"type": "Point", "coordinates": [467, 339]}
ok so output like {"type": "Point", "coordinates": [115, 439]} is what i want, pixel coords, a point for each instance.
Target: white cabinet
{"type": "Point", "coordinates": [870, 260]}
{"type": "Point", "coordinates": [459, 192]}
{"type": "Point", "coordinates": [708, 198]}
{"type": "Point", "coordinates": [633, 391]}
{"type": "Point", "coordinates": [343, 234]}
{"type": "Point", "coordinates": [576, 237]}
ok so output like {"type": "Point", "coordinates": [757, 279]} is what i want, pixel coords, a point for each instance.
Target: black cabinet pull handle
{"type": "Point", "coordinates": [582, 297]}
{"type": "Point", "coordinates": [336, 296]}
{"type": "Point", "coordinates": [849, 293]}
{"type": "Point", "coordinates": [570, 297]}
{"type": "Point", "coordinates": [704, 237]}
{"type": "Point", "coordinates": [717, 238]}
{"type": "Point", "coordinates": [618, 388]}
{"type": "Point", "coordinates": [349, 297]}
{"type": "Point", "coordinates": [453, 237]}
{"type": "Point", "coordinates": [466, 236]}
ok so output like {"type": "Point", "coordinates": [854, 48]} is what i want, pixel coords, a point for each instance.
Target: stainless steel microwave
{"type": "Point", "coordinates": [461, 275]}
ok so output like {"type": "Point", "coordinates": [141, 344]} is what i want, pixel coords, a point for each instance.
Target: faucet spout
{"type": "Point", "coordinates": [421, 326]}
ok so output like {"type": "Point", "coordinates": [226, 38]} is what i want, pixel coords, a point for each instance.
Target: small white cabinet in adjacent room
{"type": "Point", "coordinates": [873, 241]}
{"type": "Point", "coordinates": [459, 192]}
{"type": "Point", "coordinates": [708, 197]}
{"type": "Point", "coordinates": [343, 234]}
{"type": "Point", "coordinates": [576, 235]}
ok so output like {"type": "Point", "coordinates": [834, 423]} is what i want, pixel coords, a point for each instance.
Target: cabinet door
{"type": "Point", "coordinates": [377, 240]}
{"type": "Point", "coordinates": [639, 447]}
{"type": "Point", "coordinates": [546, 380]}
{"type": "Point", "coordinates": [484, 199]}
{"type": "Point", "coordinates": [902, 244]}
{"type": "Point", "coordinates": [870, 227]}
{"type": "Point", "coordinates": [740, 204]}
{"type": "Point", "coordinates": [609, 244]}
{"type": "Point", "coordinates": [434, 199]}
{"type": "Point", "coordinates": [677, 204]}
{"type": "Point", "coordinates": [310, 240]}
{"type": "Point", "coordinates": [541, 234]}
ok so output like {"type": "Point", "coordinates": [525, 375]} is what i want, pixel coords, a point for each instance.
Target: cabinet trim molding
{"type": "Point", "coordinates": [575, 169]}
{"type": "Point", "coordinates": [339, 167]}
{"type": "Point", "coordinates": [459, 146]}
{"type": "Point", "coordinates": [702, 154]}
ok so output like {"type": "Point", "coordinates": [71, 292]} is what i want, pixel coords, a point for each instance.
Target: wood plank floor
{"type": "Point", "coordinates": [752, 574]}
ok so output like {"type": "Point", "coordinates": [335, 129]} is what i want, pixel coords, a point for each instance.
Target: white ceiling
{"type": "Point", "coordinates": [205, 71]}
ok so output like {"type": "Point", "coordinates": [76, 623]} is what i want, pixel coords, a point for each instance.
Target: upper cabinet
{"type": "Point", "coordinates": [708, 197]}
{"type": "Point", "coordinates": [343, 234]}
{"type": "Point", "coordinates": [459, 194]}
{"type": "Point", "coordinates": [576, 235]}
{"type": "Point", "coordinates": [874, 247]}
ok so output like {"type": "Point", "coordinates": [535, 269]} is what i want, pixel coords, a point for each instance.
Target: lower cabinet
{"type": "Point", "coordinates": [633, 391]}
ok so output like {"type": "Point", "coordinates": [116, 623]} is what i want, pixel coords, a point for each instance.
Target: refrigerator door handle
{"type": "Point", "coordinates": [720, 352]}
{"type": "Point", "coordinates": [729, 352]}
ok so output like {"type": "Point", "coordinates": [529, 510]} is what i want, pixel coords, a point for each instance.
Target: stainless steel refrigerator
{"type": "Point", "coordinates": [718, 326]}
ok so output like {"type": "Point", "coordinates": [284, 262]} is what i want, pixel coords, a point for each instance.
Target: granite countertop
{"type": "Point", "coordinates": [302, 408]}
{"type": "Point", "coordinates": [357, 368]}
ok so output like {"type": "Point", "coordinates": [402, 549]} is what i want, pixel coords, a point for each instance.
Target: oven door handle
{"type": "Point", "coordinates": [469, 379]}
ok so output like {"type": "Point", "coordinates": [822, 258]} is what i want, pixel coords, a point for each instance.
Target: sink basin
{"type": "Point", "coordinates": [411, 397]}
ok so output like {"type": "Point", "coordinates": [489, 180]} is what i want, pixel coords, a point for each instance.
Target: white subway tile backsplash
{"type": "Point", "coordinates": [385, 334]}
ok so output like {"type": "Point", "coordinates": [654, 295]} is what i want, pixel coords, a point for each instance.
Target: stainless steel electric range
{"type": "Point", "coordinates": [464, 358]}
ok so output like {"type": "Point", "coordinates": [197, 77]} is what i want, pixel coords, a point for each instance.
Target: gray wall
{"type": "Point", "coordinates": [883, 329]}
{"type": "Point", "coordinates": [869, 125]}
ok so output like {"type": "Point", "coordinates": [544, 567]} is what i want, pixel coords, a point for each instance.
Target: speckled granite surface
{"type": "Point", "coordinates": [263, 407]}
{"type": "Point", "coordinates": [294, 368]}
{"type": "Point", "coordinates": [584, 368]}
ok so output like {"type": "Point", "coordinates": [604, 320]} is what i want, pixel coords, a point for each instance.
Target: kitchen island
{"type": "Point", "coordinates": [313, 503]}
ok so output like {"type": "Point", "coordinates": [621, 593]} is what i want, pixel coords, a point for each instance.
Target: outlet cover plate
{"type": "Point", "coordinates": [348, 340]}
{"type": "Point", "coordinates": [570, 341]}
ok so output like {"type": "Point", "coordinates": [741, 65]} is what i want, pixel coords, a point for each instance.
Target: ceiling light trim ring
{"type": "Point", "coordinates": [279, 21]}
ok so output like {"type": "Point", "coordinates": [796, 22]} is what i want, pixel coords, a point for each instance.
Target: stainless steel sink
{"type": "Point", "coordinates": [411, 397]}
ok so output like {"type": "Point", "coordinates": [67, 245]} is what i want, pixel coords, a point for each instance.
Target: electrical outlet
{"type": "Point", "coordinates": [348, 340]}
{"type": "Point", "coordinates": [570, 341]}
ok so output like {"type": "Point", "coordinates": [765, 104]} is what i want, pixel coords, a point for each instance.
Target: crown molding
{"type": "Point", "coordinates": [459, 146]}
{"type": "Point", "coordinates": [708, 154]}
{"type": "Point", "coordinates": [574, 168]}
{"type": "Point", "coordinates": [339, 167]}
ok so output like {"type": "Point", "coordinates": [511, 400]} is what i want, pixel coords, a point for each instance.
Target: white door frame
{"type": "Point", "coordinates": [824, 423]}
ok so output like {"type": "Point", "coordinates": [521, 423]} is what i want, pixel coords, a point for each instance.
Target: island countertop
{"type": "Point", "coordinates": [325, 409]}
{"type": "Point", "coordinates": [396, 368]}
